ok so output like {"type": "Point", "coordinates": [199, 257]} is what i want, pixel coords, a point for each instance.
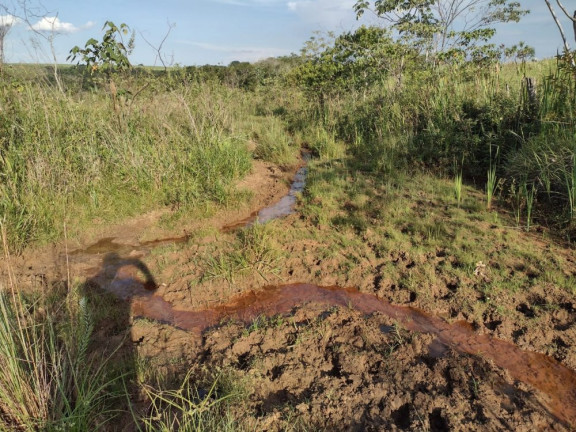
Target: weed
{"type": "Point", "coordinates": [262, 322]}
{"type": "Point", "coordinates": [491, 182]}
{"type": "Point", "coordinates": [190, 408]}
{"type": "Point", "coordinates": [529, 195]}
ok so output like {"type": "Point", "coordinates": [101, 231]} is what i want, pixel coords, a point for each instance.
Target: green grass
{"type": "Point", "coordinates": [458, 187]}
{"type": "Point", "coordinates": [49, 377]}
{"type": "Point", "coordinates": [189, 408]}
{"type": "Point", "coordinates": [253, 250]}
{"type": "Point", "coordinates": [74, 158]}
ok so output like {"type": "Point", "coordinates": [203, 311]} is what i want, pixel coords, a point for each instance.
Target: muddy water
{"type": "Point", "coordinates": [557, 382]}
{"type": "Point", "coordinates": [282, 208]}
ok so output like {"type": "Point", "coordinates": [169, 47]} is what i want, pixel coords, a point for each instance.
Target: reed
{"type": "Point", "coordinates": [491, 181]}
{"type": "Point", "coordinates": [529, 197]}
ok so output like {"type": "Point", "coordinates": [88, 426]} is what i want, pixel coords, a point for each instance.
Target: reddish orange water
{"type": "Point", "coordinates": [544, 373]}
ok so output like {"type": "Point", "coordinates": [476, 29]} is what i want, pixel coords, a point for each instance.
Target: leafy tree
{"type": "Point", "coordinates": [520, 52]}
{"type": "Point", "coordinates": [352, 61]}
{"type": "Point", "coordinates": [445, 26]}
{"type": "Point", "coordinates": [110, 54]}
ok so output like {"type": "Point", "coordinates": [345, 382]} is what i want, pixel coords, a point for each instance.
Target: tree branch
{"type": "Point", "coordinates": [562, 34]}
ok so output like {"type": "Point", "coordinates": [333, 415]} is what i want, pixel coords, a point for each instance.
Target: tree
{"type": "Point", "coordinates": [159, 54]}
{"type": "Point", "coordinates": [443, 25]}
{"type": "Point", "coordinates": [352, 61]}
{"type": "Point", "coordinates": [6, 23]}
{"type": "Point", "coordinates": [567, 51]}
{"type": "Point", "coordinates": [110, 54]}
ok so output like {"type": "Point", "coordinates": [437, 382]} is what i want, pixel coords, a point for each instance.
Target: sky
{"type": "Point", "coordinates": [221, 31]}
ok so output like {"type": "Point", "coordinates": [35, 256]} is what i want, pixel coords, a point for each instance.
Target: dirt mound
{"type": "Point", "coordinates": [336, 370]}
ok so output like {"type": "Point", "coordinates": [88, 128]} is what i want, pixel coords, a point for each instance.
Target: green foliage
{"type": "Point", "coordinates": [189, 408]}
{"type": "Point", "coordinates": [64, 159]}
{"type": "Point", "coordinates": [47, 379]}
{"type": "Point", "coordinates": [446, 26]}
{"type": "Point", "coordinates": [253, 250]}
{"type": "Point", "coordinates": [351, 61]}
{"type": "Point", "coordinates": [273, 143]}
{"type": "Point", "coordinates": [108, 55]}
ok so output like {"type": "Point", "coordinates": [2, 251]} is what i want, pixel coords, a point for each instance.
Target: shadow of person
{"type": "Point", "coordinates": [121, 276]}
{"type": "Point", "coordinates": [109, 295]}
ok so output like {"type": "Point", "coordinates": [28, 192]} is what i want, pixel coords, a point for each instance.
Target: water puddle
{"type": "Point", "coordinates": [280, 209]}
{"type": "Point", "coordinates": [544, 373]}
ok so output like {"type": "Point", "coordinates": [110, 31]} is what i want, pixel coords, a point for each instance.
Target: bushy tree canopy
{"type": "Point", "coordinates": [444, 26]}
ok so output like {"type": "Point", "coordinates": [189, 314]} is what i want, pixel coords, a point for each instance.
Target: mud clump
{"type": "Point", "coordinates": [337, 370]}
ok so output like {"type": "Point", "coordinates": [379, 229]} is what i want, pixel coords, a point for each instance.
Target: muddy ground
{"type": "Point", "coordinates": [320, 364]}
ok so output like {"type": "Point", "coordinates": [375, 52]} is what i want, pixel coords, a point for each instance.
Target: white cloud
{"type": "Point", "coordinates": [247, 53]}
{"type": "Point", "coordinates": [49, 24]}
{"type": "Point", "coordinates": [8, 20]}
{"type": "Point", "coordinates": [251, 2]}
{"type": "Point", "coordinates": [327, 13]}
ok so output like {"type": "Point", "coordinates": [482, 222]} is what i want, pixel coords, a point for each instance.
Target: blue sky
{"type": "Point", "coordinates": [220, 31]}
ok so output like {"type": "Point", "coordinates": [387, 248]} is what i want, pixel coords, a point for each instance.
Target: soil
{"type": "Point", "coordinates": [315, 358]}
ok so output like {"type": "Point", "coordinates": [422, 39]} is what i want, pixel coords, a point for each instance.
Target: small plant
{"type": "Point", "coordinates": [458, 187]}
{"type": "Point", "coordinates": [570, 178]}
{"type": "Point", "coordinates": [475, 387]}
{"type": "Point", "coordinates": [491, 181]}
{"type": "Point", "coordinates": [515, 193]}
{"type": "Point", "coordinates": [189, 408]}
{"type": "Point", "coordinates": [490, 187]}
{"type": "Point", "coordinates": [399, 338]}
{"type": "Point", "coordinates": [108, 55]}
{"type": "Point", "coordinates": [529, 195]}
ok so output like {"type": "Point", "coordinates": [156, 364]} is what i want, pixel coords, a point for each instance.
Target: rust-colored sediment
{"type": "Point", "coordinates": [554, 380]}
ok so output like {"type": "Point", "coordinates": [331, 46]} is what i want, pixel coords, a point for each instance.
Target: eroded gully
{"type": "Point", "coordinates": [540, 371]}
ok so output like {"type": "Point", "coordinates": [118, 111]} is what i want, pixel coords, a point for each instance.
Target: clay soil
{"type": "Point", "coordinates": [322, 365]}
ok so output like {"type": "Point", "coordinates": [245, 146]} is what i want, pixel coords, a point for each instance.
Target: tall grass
{"type": "Point", "coordinates": [68, 157]}
{"type": "Point", "coordinates": [529, 196]}
{"type": "Point", "coordinates": [458, 187]}
{"type": "Point", "coordinates": [491, 181]}
{"type": "Point", "coordinates": [273, 143]}
{"type": "Point", "coordinates": [48, 380]}
{"type": "Point", "coordinates": [187, 408]}
{"type": "Point", "coordinates": [463, 111]}
{"type": "Point", "coordinates": [570, 177]}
